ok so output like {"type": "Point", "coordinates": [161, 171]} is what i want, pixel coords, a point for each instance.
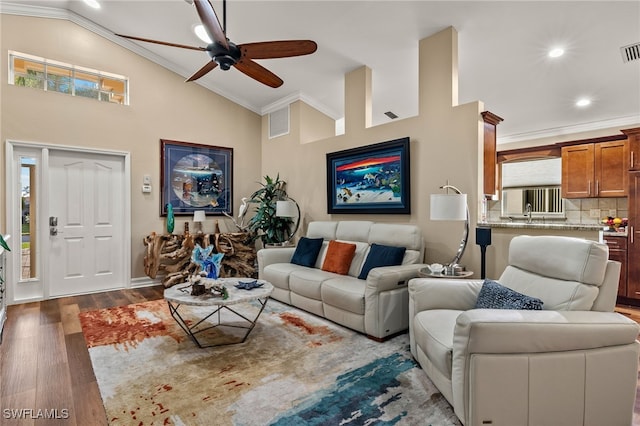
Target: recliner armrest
{"type": "Point", "coordinates": [386, 278]}
{"type": "Point", "coordinates": [500, 331]}
{"type": "Point", "coordinates": [443, 293]}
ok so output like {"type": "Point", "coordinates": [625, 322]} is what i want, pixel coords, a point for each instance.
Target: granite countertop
{"type": "Point", "coordinates": [546, 225]}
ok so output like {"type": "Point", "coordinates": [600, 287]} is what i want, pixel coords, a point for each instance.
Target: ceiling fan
{"type": "Point", "coordinates": [227, 54]}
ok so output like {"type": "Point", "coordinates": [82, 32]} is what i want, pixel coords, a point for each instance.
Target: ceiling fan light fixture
{"type": "Point", "coordinates": [201, 33]}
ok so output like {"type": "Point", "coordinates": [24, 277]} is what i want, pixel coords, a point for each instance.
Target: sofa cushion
{"type": "Point", "coordinates": [307, 282]}
{"type": "Point", "coordinates": [346, 293]}
{"type": "Point", "coordinates": [338, 258]}
{"type": "Point", "coordinates": [278, 274]}
{"type": "Point", "coordinates": [381, 255]}
{"type": "Point", "coordinates": [496, 296]}
{"type": "Point", "coordinates": [433, 333]}
{"type": "Point", "coordinates": [307, 251]}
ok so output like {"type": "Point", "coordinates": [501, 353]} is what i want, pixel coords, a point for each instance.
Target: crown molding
{"type": "Point", "coordinates": [567, 130]}
{"type": "Point", "coordinates": [56, 13]}
{"type": "Point", "coordinates": [297, 96]}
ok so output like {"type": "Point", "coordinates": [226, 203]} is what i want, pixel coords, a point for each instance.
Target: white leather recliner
{"type": "Point", "coordinates": [575, 362]}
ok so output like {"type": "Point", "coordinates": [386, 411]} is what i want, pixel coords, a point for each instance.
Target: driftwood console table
{"type": "Point", "coordinates": [171, 254]}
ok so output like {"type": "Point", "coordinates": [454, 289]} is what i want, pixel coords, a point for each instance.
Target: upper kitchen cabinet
{"type": "Point", "coordinates": [491, 121]}
{"type": "Point", "coordinates": [598, 169]}
{"type": "Point", "coordinates": [633, 140]}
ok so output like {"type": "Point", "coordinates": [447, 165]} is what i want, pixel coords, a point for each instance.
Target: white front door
{"type": "Point", "coordinates": [86, 209]}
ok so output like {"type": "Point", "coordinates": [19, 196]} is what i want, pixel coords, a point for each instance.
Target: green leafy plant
{"type": "Point", "coordinates": [4, 244]}
{"type": "Point", "coordinates": [265, 224]}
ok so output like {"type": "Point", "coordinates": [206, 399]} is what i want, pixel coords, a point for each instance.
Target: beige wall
{"type": "Point", "coordinates": [162, 107]}
{"type": "Point", "coordinates": [444, 146]}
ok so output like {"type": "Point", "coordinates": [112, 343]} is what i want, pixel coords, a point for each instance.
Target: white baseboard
{"type": "Point", "coordinates": [145, 282]}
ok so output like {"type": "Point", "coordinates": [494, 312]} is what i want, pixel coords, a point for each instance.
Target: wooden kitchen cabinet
{"type": "Point", "coordinates": [633, 140]}
{"type": "Point", "coordinates": [595, 170]}
{"type": "Point", "coordinates": [618, 251]}
{"type": "Point", "coordinates": [633, 251]}
{"type": "Point", "coordinates": [491, 121]}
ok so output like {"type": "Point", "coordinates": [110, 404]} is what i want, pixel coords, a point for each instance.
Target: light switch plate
{"type": "Point", "coordinates": [594, 213]}
{"type": "Point", "coordinates": [146, 180]}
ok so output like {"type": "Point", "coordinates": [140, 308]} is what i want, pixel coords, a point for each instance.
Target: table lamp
{"type": "Point", "coordinates": [452, 207]}
{"type": "Point", "coordinates": [199, 216]}
{"type": "Point", "coordinates": [289, 208]}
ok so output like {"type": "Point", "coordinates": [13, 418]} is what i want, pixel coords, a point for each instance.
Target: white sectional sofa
{"type": "Point", "coordinates": [376, 306]}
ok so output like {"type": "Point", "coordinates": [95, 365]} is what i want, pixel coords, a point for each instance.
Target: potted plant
{"type": "Point", "coordinates": [268, 227]}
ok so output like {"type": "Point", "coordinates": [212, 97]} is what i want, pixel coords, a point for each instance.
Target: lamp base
{"type": "Point", "coordinates": [453, 270]}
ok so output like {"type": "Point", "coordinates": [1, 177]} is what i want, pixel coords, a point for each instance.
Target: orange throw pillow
{"type": "Point", "coordinates": [339, 257]}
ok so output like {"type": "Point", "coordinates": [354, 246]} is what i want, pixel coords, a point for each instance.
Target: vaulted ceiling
{"type": "Point", "coordinates": [503, 49]}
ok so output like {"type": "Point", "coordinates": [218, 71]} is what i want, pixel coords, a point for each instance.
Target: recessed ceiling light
{"type": "Point", "coordinates": [556, 52]}
{"type": "Point", "coordinates": [583, 102]}
{"type": "Point", "coordinates": [92, 3]}
{"type": "Point", "coordinates": [202, 33]}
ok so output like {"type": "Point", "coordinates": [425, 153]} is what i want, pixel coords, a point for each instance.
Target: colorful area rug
{"type": "Point", "coordinates": [293, 369]}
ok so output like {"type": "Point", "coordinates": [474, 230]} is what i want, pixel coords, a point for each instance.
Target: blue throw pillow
{"type": "Point", "coordinates": [493, 295]}
{"type": "Point", "coordinates": [380, 255]}
{"type": "Point", "coordinates": [307, 251]}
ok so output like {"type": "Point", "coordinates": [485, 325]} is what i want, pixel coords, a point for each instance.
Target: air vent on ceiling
{"type": "Point", "coordinates": [279, 122]}
{"type": "Point", "coordinates": [391, 115]}
{"type": "Point", "coordinates": [630, 52]}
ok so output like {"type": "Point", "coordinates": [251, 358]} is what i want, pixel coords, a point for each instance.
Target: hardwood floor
{"type": "Point", "coordinates": [44, 361]}
{"type": "Point", "coordinates": [45, 370]}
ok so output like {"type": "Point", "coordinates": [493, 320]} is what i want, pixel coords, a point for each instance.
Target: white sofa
{"type": "Point", "coordinates": [377, 306]}
{"type": "Point", "coordinates": [575, 362]}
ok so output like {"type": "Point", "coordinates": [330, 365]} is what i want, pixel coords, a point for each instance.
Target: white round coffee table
{"type": "Point", "coordinates": [179, 298]}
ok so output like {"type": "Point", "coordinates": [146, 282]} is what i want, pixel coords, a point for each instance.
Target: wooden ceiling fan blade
{"type": "Point", "coordinates": [202, 71]}
{"type": "Point", "coordinates": [210, 22]}
{"type": "Point", "coordinates": [259, 73]}
{"type": "Point", "coordinates": [164, 43]}
{"type": "Point", "coordinates": [278, 49]}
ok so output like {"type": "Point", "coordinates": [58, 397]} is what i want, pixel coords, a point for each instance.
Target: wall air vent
{"type": "Point", "coordinates": [279, 122]}
{"type": "Point", "coordinates": [391, 115]}
{"type": "Point", "coordinates": [630, 52]}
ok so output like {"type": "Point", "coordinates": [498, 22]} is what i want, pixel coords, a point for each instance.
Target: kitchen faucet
{"type": "Point", "coordinates": [528, 210]}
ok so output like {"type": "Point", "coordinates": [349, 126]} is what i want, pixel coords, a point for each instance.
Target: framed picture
{"type": "Point", "coordinates": [195, 177]}
{"type": "Point", "coordinates": [370, 179]}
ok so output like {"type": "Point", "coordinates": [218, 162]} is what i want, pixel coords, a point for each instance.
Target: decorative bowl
{"type": "Point", "coordinates": [436, 268]}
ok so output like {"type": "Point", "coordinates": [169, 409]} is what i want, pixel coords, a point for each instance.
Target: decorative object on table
{"type": "Point", "coordinates": [452, 207]}
{"type": "Point", "coordinates": [171, 220]}
{"type": "Point", "coordinates": [195, 177]}
{"type": "Point", "coordinates": [615, 223]}
{"type": "Point", "coordinates": [199, 216]}
{"type": "Point", "coordinates": [242, 213]}
{"type": "Point", "coordinates": [268, 227]}
{"type": "Point", "coordinates": [207, 260]}
{"type": "Point", "coordinates": [370, 179]}
{"type": "Point", "coordinates": [172, 254]}
{"type": "Point", "coordinates": [248, 285]}
{"type": "Point", "coordinates": [436, 268]}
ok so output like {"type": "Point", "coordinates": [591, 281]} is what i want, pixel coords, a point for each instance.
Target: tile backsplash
{"type": "Point", "coordinates": [577, 210]}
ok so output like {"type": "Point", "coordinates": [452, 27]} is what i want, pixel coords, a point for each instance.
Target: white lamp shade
{"type": "Point", "coordinates": [286, 208]}
{"type": "Point", "coordinates": [199, 216]}
{"type": "Point", "coordinates": [448, 206]}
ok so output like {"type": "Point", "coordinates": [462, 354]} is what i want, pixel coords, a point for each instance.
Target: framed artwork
{"type": "Point", "coordinates": [195, 177]}
{"type": "Point", "coordinates": [370, 179]}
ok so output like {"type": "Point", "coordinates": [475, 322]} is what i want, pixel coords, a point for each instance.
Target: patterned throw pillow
{"type": "Point", "coordinates": [493, 295]}
{"type": "Point", "coordinates": [338, 258]}
{"type": "Point", "coordinates": [380, 255]}
{"type": "Point", "coordinates": [307, 251]}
